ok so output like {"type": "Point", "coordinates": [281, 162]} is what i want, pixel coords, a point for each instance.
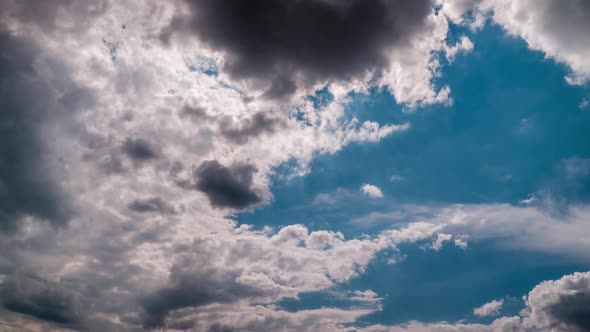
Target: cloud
{"type": "Point", "coordinates": [28, 106]}
{"type": "Point", "coordinates": [489, 309]}
{"type": "Point", "coordinates": [139, 149]}
{"type": "Point", "coordinates": [152, 204]}
{"type": "Point", "coordinates": [560, 305]}
{"type": "Point", "coordinates": [372, 191]}
{"type": "Point", "coordinates": [440, 239]}
{"type": "Point", "coordinates": [38, 298]}
{"type": "Point", "coordinates": [226, 186]}
{"type": "Point", "coordinates": [503, 324]}
{"type": "Point", "coordinates": [287, 44]}
{"type": "Point", "coordinates": [257, 124]}
{"type": "Point", "coordinates": [193, 286]}
{"type": "Point", "coordinates": [533, 228]}
{"type": "Point", "coordinates": [51, 15]}
{"type": "Point", "coordinates": [195, 267]}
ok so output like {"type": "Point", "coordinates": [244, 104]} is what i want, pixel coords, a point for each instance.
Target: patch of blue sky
{"type": "Point", "coordinates": [203, 64]}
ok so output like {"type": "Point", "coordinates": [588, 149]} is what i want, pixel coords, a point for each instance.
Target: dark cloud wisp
{"type": "Point", "coordinates": [139, 149]}
{"type": "Point", "coordinates": [254, 126]}
{"type": "Point", "coordinates": [152, 205]}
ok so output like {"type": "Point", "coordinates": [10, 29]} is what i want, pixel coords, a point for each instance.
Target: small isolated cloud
{"type": "Point", "coordinates": [461, 243]}
{"type": "Point", "coordinates": [584, 104]}
{"type": "Point", "coordinates": [530, 200]}
{"type": "Point", "coordinates": [440, 239]}
{"type": "Point", "coordinates": [372, 191]}
{"type": "Point", "coordinates": [396, 178]}
{"type": "Point", "coordinates": [489, 309]}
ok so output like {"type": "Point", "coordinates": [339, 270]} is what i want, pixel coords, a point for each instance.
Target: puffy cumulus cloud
{"type": "Point", "coordinates": [489, 309]}
{"type": "Point", "coordinates": [557, 29]}
{"type": "Point", "coordinates": [560, 305]}
{"type": "Point", "coordinates": [372, 191]}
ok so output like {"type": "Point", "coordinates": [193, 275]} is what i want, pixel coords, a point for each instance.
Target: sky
{"type": "Point", "coordinates": [280, 165]}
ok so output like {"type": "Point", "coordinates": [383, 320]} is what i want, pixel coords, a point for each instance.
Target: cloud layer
{"type": "Point", "coordinates": [131, 133]}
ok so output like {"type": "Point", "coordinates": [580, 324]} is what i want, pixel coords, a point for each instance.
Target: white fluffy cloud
{"type": "Point", "coordinates": [372, 191]}
{"type": "Point", "coordinates": [489, 309]}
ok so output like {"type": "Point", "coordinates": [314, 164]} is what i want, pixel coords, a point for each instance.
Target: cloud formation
{"type": "Point", "coordinates": [28, 103]}
{"type": "Point", "coordinates": [372, 191]}
{"type": "Point", "coordinates": [88, 89]}
{"type": "Point", "coordinates": [489, 309]}
{"type": "Point", "coordinates": [226, 186]}
{"type": "Point", "coordinates": [288, 44]}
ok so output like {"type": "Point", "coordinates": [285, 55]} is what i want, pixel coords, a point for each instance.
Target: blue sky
{"type": "Point", "coordinates": [309, 165]}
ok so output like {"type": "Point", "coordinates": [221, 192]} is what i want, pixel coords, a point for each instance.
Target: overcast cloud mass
{"type": "Point", "coordinates": [308, 165]}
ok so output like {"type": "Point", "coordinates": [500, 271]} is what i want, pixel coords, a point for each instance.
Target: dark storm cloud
{"type": "Point", "coordinates": [26, 103]}
{"type": "Point", "coordinates": [573, 310]}
{"type": "Point", "coordinates": [254, 126]}
{"type": "Point", "coordinates": [313, 40]}
{"type": "Point", "coordinates": [139, 149]}
{"type": "Point", "coordinates": [152, 204]}
{"type": "Point", "coordinates": [38, 298]}
{"type": "Point", "coordinates": [224, 186]}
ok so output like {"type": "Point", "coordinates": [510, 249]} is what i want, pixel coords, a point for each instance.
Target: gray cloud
{"type": "Point", "coordinates": [38, 298]}
{"type": "Point", "coordinates": [27, 102]}
{"type": "Point", "coordinates": [259, 123]}
{"type": "Point", "coordinates": [573, 310]}
{"type": "Point", "coordinates": [139, 150]}
{"type": "Point", "coordinates": [152, 204]}
{"type": "Point", "coordinates": [311, 41]}
{"type": "Point", "coordinates": [195, 282]}
{"type": "Point", "coordinates": [45, 14]}
{"type": "Point", "coordinates": [225, 186]}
